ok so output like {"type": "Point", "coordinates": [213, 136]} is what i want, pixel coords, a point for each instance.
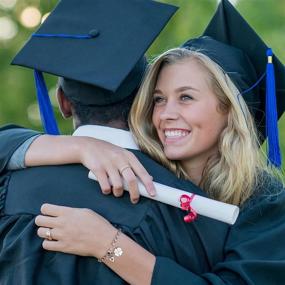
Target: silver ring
{"type": "Point", "coordinates": [48, 234]}
{"type": "Point", "coordinates": [124, 168]}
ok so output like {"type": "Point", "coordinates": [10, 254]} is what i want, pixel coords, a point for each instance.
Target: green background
{"type": "Point", "coordinates": [17, 93]}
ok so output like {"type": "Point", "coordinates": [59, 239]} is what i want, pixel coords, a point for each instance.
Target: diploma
{"type": "Point", "coordinates": [210, 208]}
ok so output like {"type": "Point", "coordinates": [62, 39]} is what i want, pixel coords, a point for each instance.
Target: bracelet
{"type": "Point", "coordinates": [113, 250]}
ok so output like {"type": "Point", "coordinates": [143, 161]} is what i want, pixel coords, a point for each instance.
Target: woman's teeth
{"type": "Point", "coordinates": [176, 133]}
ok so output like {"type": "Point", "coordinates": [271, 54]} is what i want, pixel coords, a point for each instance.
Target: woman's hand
{"type": "Point", "coordinates": [111, 164]}
{"type": "Point", "coordinates": [75, 231]}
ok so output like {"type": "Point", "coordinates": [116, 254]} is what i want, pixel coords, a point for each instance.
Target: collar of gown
{"type": "Point", "coordinates": [115, 136]}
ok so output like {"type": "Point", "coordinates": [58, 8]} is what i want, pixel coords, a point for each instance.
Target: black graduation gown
{"type": "Point", "coordinates": [254, 252]}
{"type": "Point", "coordinates": [204, 252]}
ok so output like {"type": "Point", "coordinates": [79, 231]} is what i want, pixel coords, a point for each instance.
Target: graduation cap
{"type": "Point", "coordinates": [96, 46]}
{"type": "Point", "coordinates": [248, 62]}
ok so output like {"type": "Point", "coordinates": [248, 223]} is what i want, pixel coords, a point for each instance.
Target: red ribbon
{"type": "Point", "coordinates": [185, 204]}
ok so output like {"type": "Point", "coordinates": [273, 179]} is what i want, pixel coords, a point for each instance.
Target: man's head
{"type": "Point", "coordinates": [90, 104]}
{"type": "Point", "coordinates": [112, 115]}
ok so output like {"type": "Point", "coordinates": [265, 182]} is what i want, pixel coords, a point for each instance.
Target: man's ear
{"type": "Point", "coordinates": [65, 105]}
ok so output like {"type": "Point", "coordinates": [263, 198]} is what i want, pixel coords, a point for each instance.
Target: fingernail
{"type": "Point", "coordinates": [152, 191]}
{"type": "Point", "coordinates": [135, 201]}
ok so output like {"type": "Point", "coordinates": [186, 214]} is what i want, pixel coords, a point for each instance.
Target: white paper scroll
{"type": "Point", "coordinates": [213, 209]}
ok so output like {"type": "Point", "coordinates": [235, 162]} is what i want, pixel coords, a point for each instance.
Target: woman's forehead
{"type": "Point", "coordinates": [186, 72]}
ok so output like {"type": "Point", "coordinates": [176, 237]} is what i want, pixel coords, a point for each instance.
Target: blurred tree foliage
{"type": "Point", "coordinates": [17, 93]}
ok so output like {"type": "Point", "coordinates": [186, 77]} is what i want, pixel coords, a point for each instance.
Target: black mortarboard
{"type": "Point", "coordinates": [235, 46]}
{"type": "Point", "coordinates": [91, 43]}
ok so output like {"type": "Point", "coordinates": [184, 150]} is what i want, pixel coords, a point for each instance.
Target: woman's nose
{"type": "Point", "coordinates": [169, 112]}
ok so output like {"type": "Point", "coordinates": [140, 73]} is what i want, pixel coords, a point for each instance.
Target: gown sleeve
{"type": "Point", "coordinates": [254, 252]}
{"type": "Point", "coordinates": [17, 160]}
{"type": "Point", "coordinates": [11, 137]}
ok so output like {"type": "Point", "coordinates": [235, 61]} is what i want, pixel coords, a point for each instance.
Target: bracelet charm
{"type": "Point", "coordinates": [116, 252]}
{"type": "Point", "coordinates": [113, 251]}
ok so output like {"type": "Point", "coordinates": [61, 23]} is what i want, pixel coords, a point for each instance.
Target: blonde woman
{"type": "Point", "coordinates": [212, 141]}
{"type": "Point", "coordinates": [189, 116]}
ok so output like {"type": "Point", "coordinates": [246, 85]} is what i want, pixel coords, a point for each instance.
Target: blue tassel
{"type": "Point", "coordinates": [46, 111]}
{"type": "Point", "coordinates": [274, 154]}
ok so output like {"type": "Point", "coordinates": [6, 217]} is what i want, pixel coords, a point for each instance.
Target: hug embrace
{"type": "Point", "coordinates": [194, 118]}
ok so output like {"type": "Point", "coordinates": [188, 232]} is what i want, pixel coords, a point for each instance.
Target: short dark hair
{"type": "Point", "coordinates": [103, 115]}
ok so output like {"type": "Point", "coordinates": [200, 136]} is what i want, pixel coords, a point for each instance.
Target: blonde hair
{"type": "Point", "coordinates": [235, 173]}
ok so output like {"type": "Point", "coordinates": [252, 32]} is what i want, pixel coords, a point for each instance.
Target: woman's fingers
{"type": "Point", "coordinates": [45, 221]}
{"type": "Point", "coordinates": [132, 183]}
{"type": "Point", "coordinates": [109, 180]}
{"type": "Point", "coordinates": [48, 233]}
{"type": "Point", "coordinates": [103, 180]}
{"type": "Point", "coordinates": [116, 181]}
{"type": "Point", "coordinates": [128, 169]}
{"type": "Point", "coordinates": [142, 174]}
{"type": "Point", "coordinates": [52, 245]}
{"type": "Point", "coordinates": [121, 164]}
{"type": "Point", "coordinates": [53, 210]}
{"type": "Point", "coordinates": [77, 231]}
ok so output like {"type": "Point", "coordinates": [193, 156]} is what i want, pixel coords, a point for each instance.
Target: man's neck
{"type": "Point", "coordinates": [114, 124]}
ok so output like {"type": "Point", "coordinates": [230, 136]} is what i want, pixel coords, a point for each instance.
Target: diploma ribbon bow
{"type": "Point", "coordinates": [185, 204]}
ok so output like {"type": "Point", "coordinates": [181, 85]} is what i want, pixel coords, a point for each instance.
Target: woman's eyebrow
{"type": "Point", "coordinates": [157, 91]}
{"type": "Point", "coordinates": [184, 88]}
{"type": "Point", "coordinates": [178, 90]}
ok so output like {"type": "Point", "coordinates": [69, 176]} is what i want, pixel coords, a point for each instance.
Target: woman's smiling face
{"type": "Point", "coordinates": [186, 113]}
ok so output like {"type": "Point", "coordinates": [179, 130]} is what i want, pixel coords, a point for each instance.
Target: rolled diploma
{"type": "Point", "coordinates": [210, 208]}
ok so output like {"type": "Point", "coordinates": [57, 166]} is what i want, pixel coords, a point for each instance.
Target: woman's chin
{"type": "Point", "coordinates": [171, 155]}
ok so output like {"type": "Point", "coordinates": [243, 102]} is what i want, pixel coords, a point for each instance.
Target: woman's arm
{"type": "Point", "coordinates": [83, 232]}
{"type": "Point", "coordinates": [104, 159]}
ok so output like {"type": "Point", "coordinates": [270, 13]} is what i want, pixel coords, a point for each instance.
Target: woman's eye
{"type": "Point", "coordinates": [158, 99]}
{"type": "Point", "coordinates": [185, 97]}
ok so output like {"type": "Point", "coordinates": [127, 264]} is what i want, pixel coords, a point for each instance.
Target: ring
{"type": "Point", "coordinates": [48, 234]}
{"type": "Point", "coordinates": [124, 168]}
